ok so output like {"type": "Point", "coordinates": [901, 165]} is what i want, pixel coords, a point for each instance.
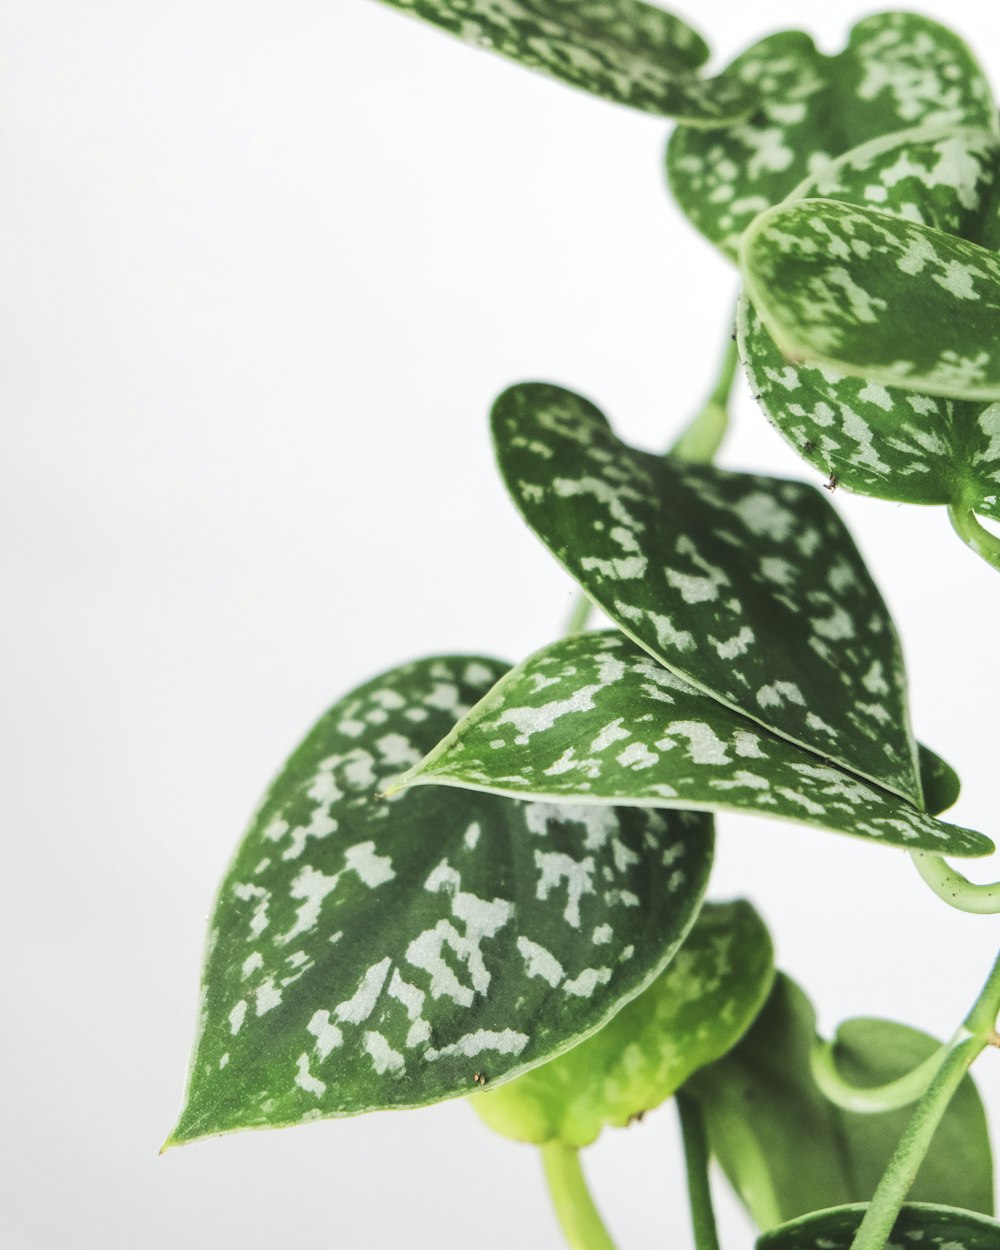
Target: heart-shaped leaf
{"type": "Point", "coordinates": [367, 953]}
{"type": "Point", "coordinates": [875, 439]}
{"type": "Point", "coordinates": [788, 1151]}
{"type": "Point", "coordinates": [697, 1008]}
{"type": "Point", "coordinates": [593, 718]}
{"type": "Point", "coordinates": [897, 72]}
{"type": "Point", "coordinates": [632, 53]}
{"type": "Point", "coordinates": [941, 1228]}
{"type": "Point", "coordinates": [875, 296]}
{"type": "Point", "coordinates": [748, 587]}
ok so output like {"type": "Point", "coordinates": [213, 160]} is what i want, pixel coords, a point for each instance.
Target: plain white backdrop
{"type": "Point", "coordinates": [263, 269]}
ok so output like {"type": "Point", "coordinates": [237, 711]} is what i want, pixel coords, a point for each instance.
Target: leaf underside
{"type": "Point", "coordinates": [788, 1151]}
{"type": "Point", "coordinates": [593, 719]}
{"type": "Point", "coordinates": [367, 953]}
{"type": "Point", "coordinates": [621, 50]}
{"type": "Point", "coordinates": [748, 587]}
{"type": "Point", "coordinates": [898, 71]}
{"type": "Point", "coordinates": [947, 1228]}
{"type": "Point", "coordinates": [692, 1014]}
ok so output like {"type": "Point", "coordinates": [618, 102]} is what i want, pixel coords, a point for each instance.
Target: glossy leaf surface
{"type": "Point", "coordinates": [898, 71]}
{"type": "Point", "coordinates": [697, 1008]}
{"type": "Point", "coordinates": [937, 1227]}
{"type": "Point", "coordinates": [593, 718]}
{"type": "Point", "coordinates": [788, 1151]}
{"type": "Point", "coordinates": [632, 53]}
{"type": "Point", "coordinates": [748, 587]}
{"type": "Point", "coordinates": [367, 953]}
{"type": "Point", "coordinates": [875, 296]}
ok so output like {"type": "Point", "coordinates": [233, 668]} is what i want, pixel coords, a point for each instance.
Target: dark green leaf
{"type": "Point", "coordinates": [367, 953]}
{"type": "Point", "coordinates": [897, 72]}
{"type": "Point", "coordinates": [622, 50]}
{"type": "Point", "coordinates": [692, 1013]}
{"type": "Point", "coordinates": [593, 718]}
{"type": "Point", "coordinates": [941, 784]}
{"type": "Point", "coordinates": [748, 587]}
{"type": "Point", "coordinates": [788, 1151]}
{"type": "Point", "coordinates": [934, 1227]}
{"type": "Point", "coordinates": [874, 296]}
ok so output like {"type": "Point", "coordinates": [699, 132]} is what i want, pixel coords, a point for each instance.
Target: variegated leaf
{"type": "Point", "coordinates": [797, 1152]}
{"type": "Point", "coordinates": [874, 439]}
{"type": "Point", "coordinates": [940, 1228]}
{"type": "Point", "coordinates": [898, 71]}
{"type": "Point", "coordinates": [367, 953]}
{"type": "Point", "coordinates": [593, 719]}
{"type": "Point", "coordinates": [697, 1008]}
{"type": "Point", "coordinates": [874, 296]}
{"type": "Point", "coordinates": [749, 587]}
{"type": "Point", "coordinates": [623, 50]}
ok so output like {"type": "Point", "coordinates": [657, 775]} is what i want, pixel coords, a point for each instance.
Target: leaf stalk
{"type": "Point", "coordinates": [579, 1218]}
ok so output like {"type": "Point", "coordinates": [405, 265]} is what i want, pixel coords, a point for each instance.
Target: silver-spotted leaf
{"type": "Point", "coordinates": [622, 50]}
{"type": "Point", "coordinates": [898, 71]}
{"type": "Point", "coordinates": [788, 1151]}
{"type": "Point", "coordinates": [697, 1008]}
{"type": "Point", "coordinates": [918, 1225]}
{"type": "Point", "coordinates": [748, 587]}
{"type": "Point", "coordinates": [369, 953]}
{"type": "Point", "coordinates": [877, 297]}
{"type": "Point", "coordinates": [875, 439]}
{"type": "Point", "coordinates": [594, 719]}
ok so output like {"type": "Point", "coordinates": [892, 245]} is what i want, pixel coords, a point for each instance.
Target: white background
{"type": "Point", "coordinates": [263, 268]}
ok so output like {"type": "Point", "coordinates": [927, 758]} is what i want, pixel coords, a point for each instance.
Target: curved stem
{"type": "Point", "coordinates": [873, 1099]}
{"type": "Point", "coordinates": [954, 888]}
{"type": "Point", "coordinates": [579, 615]}
{"type": "Point", "coordinates": [975, 1035]}
{"type": "Point", "coordinates": [696, 1158]}
{"type": "Point", "coordinates": [578, 1217]}
{"type": "Point", "coordinates": [974, 534]}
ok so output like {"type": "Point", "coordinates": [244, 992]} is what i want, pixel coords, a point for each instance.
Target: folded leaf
{"type": "Point", "coordinates": [748, 587]}
{"type": "Point", "coordinates": [367, 953]}
{"type": "Point", "coordinates": [875, 296]}
{"type": "Point", "coordinates": [593, 719]}
{"type": "Point", "coordinates": [940, 783]}
{"type": "Point", "coordinates": [622, 50]}
{"type": "Point", "coordinates": [898, 71]}
{"type": "Point", "coordinates": [788, 1151]}
{"type": "Point", "coordinates": [697, 1008]}
{"type": "Point", "coordinates": [918, 1225]}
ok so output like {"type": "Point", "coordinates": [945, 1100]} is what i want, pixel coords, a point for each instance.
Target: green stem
{"type": "Point", "coordinates": [873, 1099]}
{"type": "Point", "coordinates": [696, 1160]}
{"type": "Point", "coordinates": [954, 888]}
{"type": "Point", "coordinates": [578, 1217]}
{"type": "Point", "coordinates": [702, 436]}
{"type": "Point", "coordinates": [976, 1034]}
{"type": "Point", "coordinates": [697, 443]}
{"type": "Point", "coordinates": [975, 535]}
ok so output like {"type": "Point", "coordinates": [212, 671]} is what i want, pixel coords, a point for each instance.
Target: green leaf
{"type": "Point", "coordinates": [940, 783]}
{"type": "Point", "coordinates": [897, 72]}
{"type": "Point", "coordinates": [946, 1228]}
{"type": "Point", "coordinates": [622, 50]}
{"type": "Point", "coordinates": [874, 296]}
{"type": "Point", "coordinates": [367, 953]}
{"type": "Point", "coordinates": [593, 719]}
{"type": "Point", "coordinates": [788, 1151]}
{"type": "Point", "coordinates": [748, 587]}
{"type": "Point", "coordinates": [697, 1008]}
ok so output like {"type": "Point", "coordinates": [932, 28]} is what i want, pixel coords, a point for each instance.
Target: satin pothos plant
{"type": "Point", "coordinates": [473, 880]}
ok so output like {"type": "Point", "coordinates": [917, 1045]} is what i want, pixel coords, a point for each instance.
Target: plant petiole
{"type": "Point", "coordinates": [957, 890]}
{"type": "Point", "coordinates": [974, 534]}
{"type": "Point", "coordinates": [696, 1159]}
{"type": "Point", "coordinates": [875, 1099]}
{"type": "Point", "coordinates": [578, 1216]}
